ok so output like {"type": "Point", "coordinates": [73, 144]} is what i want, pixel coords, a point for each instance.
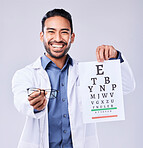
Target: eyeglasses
{"type": "Point", "coordinates": [53, 92]}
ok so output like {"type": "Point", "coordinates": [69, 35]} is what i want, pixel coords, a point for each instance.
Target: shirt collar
{"type": "Point", "coordinates": [45, 61]}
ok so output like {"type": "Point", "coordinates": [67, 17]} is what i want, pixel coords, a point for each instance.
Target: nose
{"type": "Point", "coordinates": [57, 37]}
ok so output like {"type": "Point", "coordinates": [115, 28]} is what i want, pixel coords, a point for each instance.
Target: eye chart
{"type": "Point", "coordinates": [101, 91]}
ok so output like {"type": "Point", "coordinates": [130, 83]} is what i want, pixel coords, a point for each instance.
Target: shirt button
{"type": "Point", "coordinates": [65, 131]}
{"type": "Point", "coordinates": [63, 100]}
{"type": "Point", "coordinates": [62, 84]}
{"type": "Point", "coordinates": [64, 115]}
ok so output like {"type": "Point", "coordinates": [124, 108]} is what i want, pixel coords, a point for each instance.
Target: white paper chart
{"type": "Point", "coordinates": [101, 91]}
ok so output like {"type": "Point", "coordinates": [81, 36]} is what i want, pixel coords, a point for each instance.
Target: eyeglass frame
{"type": "Point", "coordinates": [51, 91]}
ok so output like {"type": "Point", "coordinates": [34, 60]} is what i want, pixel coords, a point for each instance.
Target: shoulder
{"type": "Point", "coordinates": [28, 70]}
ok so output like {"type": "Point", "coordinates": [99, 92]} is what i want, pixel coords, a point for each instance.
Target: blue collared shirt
{"type": "Point", "coordinates": [58, 117]}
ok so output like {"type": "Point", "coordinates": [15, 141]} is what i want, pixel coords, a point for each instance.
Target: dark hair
{"type": "Point", "coordinates": [57, 12]}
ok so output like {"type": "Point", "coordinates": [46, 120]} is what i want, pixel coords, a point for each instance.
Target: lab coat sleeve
{"type": "Point", "coordinates": [128, 81]}
{"type": "Point", "coordinates": [22, 80]}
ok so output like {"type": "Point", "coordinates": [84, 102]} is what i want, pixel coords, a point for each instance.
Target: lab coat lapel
{"type": "Point", "coordinates": [45, 82]}
{"type": "Point", "coordinates": [72, 76]}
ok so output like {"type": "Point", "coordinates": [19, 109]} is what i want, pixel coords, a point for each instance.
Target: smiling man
{"type": "Point", "coordinates": [54, 120]}
{"type": "Point", "coordinates": [57, 37]}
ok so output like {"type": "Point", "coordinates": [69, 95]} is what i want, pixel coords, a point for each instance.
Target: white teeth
{"type": "Point", "coordinates": [57, 46]}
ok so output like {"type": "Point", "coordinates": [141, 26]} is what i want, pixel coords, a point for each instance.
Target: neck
{"type": "Point", "coordinates": [59, 62]}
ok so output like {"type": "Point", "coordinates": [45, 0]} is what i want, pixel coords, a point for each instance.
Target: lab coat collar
{"type": "Point", "coordinates": [37, 64]}
{"type": "Point", "coordinates": [73, 72]}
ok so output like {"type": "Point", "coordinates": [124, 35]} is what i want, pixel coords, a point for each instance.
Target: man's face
{"type": "Point", "coordinates": [57, 37]}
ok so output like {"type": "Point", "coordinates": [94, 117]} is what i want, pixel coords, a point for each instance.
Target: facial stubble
{"type": "Point", "coordinates": [52, 55]}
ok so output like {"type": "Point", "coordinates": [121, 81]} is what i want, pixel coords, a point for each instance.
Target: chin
{"type": "Point", "coordinates": [57, 56]}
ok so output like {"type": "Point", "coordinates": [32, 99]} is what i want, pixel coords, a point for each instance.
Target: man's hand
{"type": "Point", "coordinates": [38, 100]}
{"type": "Point", "coordinates": [105, 52]}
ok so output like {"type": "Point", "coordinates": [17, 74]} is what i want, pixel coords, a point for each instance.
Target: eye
{"type": "Point", "coordinates": [50, 31]}
{"type": "Point", "coordinates": [65, 32]}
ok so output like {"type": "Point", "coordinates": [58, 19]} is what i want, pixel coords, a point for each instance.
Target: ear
{"type": "Point", "coordinates": [41, 36]}
{"type": "Point", "coordinates": [72, 37]}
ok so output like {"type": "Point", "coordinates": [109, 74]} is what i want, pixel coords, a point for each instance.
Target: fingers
{"type": "Point", "coordinates": [38, 99]}
{"type": "Point", "coordinates": [34, 95]}
{"type": "Point", "coordinates": [97, 54]}
{"type": "Point", "coordinates": [113, 52]}
{"type": "Point", "coordinates": [106, 56]}
{"type": "Point", "coordinates": [105, 52]}
{"type": "Point", "coordinates": [100, 53]}
{"type": "Point", "coordinates": [40, 105]}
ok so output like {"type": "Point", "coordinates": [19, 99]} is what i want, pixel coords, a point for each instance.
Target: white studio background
{"type": "Point", "coordinates": [118, 23]}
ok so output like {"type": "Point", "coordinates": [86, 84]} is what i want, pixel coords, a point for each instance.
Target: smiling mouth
{"type": "Point", "coordinates": [57, 46]}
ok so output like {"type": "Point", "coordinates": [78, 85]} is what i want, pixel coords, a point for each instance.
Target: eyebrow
{"type": "Point", "coordinates": [65, 29]}
{"type": "Point", "coordinates": [50, 29]}
{"type": "Point", "coordinates": [55, 29]}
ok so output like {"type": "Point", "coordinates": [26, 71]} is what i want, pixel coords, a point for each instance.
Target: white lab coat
{"type": "Point", "coordinates": [35, 132]}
